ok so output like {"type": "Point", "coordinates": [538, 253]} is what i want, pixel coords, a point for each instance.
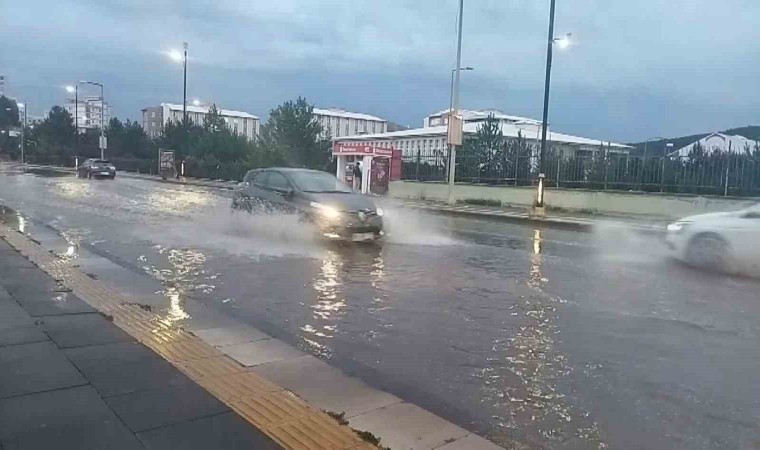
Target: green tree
{"type": "Point", "coordinates": [127, 139]}
{"type": "Point", "coordinates": [213, 121]}
{"type": "Point", "coordinates": [294, 134]}
{"type": "Point", "coordinates": [54, 138]}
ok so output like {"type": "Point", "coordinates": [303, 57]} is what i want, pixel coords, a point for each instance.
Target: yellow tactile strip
{"type": "Point", "coordinates": [277, 412]}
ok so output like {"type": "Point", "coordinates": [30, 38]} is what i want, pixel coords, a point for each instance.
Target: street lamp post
{"type": "Point", "coordinates": [75, 90]}
{"type": "Point", "coordinates": [563, 42]}
{"type": "Point", "coordinates": [455, 103]}
{"type": "Point", "coordinates": [182, 56]}
{"type": "Point", "coordinates": [102, 117]}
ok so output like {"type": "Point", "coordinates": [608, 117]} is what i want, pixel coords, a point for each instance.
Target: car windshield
{"type": "Point", "coordinates": [101, 161]}
{"type": "Point", "coordinates": [318, 182]}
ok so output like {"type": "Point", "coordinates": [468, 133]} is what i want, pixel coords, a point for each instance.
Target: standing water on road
{"type": "Point", "coordinates": [535, 338]}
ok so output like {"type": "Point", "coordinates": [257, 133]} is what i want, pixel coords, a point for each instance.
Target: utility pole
{"type": "Point", "coordinates": [544, 122]}
{"type": "Point", "coordinates": [184, 99]}
{"type": "Point", "coordinates": [455, 103]}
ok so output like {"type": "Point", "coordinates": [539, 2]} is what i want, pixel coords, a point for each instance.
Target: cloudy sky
{"type": "Point", "coordinates": [637, 69]}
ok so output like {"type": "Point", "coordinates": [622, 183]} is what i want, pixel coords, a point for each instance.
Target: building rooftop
{"type": "Point", "coordinates": [204, 110]}
{"type": "Point", "coordinates": [337, 112]}
{"type": "Point", "coordinates": [718, 142]}
{"type": "Point", "coordinates": [482, 114]}
{"type": "Point", "coordinates": [471, 128]}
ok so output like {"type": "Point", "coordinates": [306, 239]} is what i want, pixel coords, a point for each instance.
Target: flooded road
{"type": "Point", "coordinates": [544, 337]}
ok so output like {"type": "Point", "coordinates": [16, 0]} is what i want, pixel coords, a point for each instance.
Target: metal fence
{"type": "Point", "coordinates": [717, 174]}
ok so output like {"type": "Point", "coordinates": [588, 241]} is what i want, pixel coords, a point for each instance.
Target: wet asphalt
{"type": "Point", "coordinates": [542, 338]}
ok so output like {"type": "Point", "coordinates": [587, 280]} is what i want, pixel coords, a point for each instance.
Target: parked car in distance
{"type": "Point", "coordinates": [96, 168]}
{"type": "Point", "coordinates": [728, 241]}
{"type": "Point", "coordinates": [319, 197]}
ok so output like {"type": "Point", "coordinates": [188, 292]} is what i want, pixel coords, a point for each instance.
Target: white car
{"type": "Point", "coordinates": [728, 241]}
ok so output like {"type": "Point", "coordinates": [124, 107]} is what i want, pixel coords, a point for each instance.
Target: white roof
{"type": "Point", "coordinates": [202, 110]}
{"type": "Point", "coordinates": [507, 130]}
{"type": "Point", "coordinates": [471, 115]}
{"type": "Point", "coordinates": [337, 112]}
{"type": "Point", "coordinates": [718, 142]}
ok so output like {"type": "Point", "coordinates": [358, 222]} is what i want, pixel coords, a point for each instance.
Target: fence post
{"type": "Point", "coordinates": [517, 164]}
{"type": "Point", "coordinates": [728, 164]}
{"type": "Point", "coordinates": [606, 167]}
{"type": "Point", "coordinates": [662, 175]}
{"type": "Point", "coordinates": [417, 174]}
{"type": "Point", "coordinates": [559, 160]}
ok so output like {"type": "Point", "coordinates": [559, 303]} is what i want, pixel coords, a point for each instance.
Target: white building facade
{"type": "Point", "coordinates": [719, 143]}
{"type": "Point", "coordinates": [430, 140]}
{"type": "Point", "coordinates": [337, 123]}
{"type": "Point", "coordinates": [239, 122]}
{"type": "Point", "coordinates": [477, 116]}
{"type": "Point", "coordinates": [87, 112]}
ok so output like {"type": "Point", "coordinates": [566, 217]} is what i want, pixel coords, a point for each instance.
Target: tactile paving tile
{"type": "Point", "coordinates": [280, 414]}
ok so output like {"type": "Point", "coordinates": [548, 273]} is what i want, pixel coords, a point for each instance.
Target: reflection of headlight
{"type": "Point", "coordinates": [326, 211]}
{"type": "Point", "coordinates": [677, 226]}
{"type": "Point", "coordinates": [380, 212]}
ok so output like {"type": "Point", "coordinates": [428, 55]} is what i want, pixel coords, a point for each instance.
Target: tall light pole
{"type": "Point", "coordinates": [23, 131]}
{"type": "Point", "coordinates": [563, 42]}
{"type": "Point", "coordinates": [455, 103]}
{"type": "Point", "coordinates": [182, 56]}
{"type": "Point", "coordinates": [102, 118]}
{"type": "Point", "coordinates": [75, 90]}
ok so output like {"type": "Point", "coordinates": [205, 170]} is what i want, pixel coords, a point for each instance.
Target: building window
{"type": "Point", "coordinates": [347, 129]}
{"type": "Point", "coordinates": [356, 127]}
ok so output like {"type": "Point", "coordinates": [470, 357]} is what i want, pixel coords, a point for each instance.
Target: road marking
{"type": "Point", "coordinates": [279, 413]}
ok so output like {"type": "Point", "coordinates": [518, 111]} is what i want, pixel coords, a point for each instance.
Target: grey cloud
{"type": "Point", "coordinates": [393, 57]}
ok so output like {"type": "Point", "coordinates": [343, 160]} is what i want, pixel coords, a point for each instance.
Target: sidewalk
{"type": "Point", "coordinates": [72, 379]}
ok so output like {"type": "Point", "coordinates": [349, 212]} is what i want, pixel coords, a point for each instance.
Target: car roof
{"type": "Point", "coordinates": [287, 170]}
{"type": "Point", "coordinates": [291, 169]}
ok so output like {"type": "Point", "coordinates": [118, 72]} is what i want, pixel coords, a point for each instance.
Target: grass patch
{"type": "Point", "coordinates": [481, 202]}
{"type": "Point", "coordinates": [366, 436]}
{"type": "Point", "coordinates": [139, 305]}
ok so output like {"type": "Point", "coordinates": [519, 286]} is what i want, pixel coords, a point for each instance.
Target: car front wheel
{"type": "Point", "coordinates": [708, 251]}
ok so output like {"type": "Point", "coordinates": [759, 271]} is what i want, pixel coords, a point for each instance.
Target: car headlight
{"type": "Point", "coordinates": [677, 226]}
{"type": "Point", "coordinates": [326, 211]}
{"type": "Point", "coordinates": [380, 212]}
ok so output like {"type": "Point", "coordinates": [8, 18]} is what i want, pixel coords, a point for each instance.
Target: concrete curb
{"type": "Point", "coordinates": [524, 218]}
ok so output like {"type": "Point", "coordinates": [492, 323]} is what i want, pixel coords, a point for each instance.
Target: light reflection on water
{"type": "Point", "coordinates": [72, 189]}
{"type": "Point", "coordinates": [526, 382]}
{"type": "Point", "coordinates": [328, 307]}
{"type": "Point", "coordinates": [187, 274]}
{"type": "Point", "coordinates": [330, 304]}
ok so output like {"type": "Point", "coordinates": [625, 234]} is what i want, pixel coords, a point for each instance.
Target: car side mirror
{"type": "Point", "coordinates": [289, 192]}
